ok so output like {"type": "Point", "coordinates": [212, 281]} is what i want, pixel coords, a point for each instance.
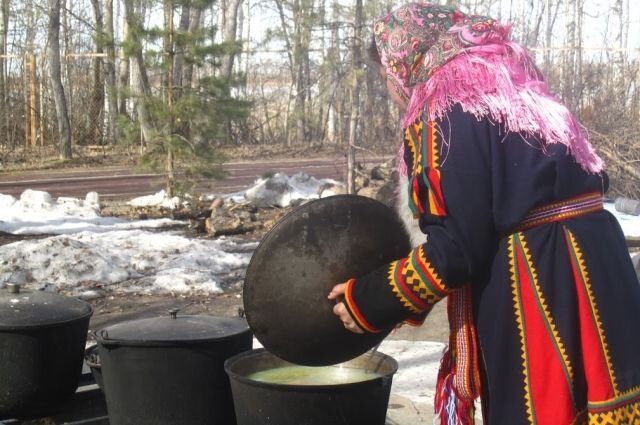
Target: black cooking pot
{"type": "Point", "coordinates": [170, 370]}
{"type": "Point", "coordinates": [42, 340]}
{"type": "Point", "coordinates": [271, 403]}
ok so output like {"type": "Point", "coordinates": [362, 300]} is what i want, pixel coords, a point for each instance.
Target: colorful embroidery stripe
{"type": "Point", "coordinates": [415, 282]}
{"type": "Point", "coordinates": [518, 310]}
{"type": "Point", "coordinates": [550, 382]}
{"type": "Point", "coordinates": [549, 323]}
{"type": "Point", "coordinates": [427, 273]}
{"type": "Point", "coordinates": [436, 199]}
{"type": "Point", "coordinates": [601, 380]}
{"type": "Point", "coordinates": [355, 311]}
{"type": "Point", "coordinates": [631, 396]}
{"type": "Point", "coordinates": [570, 208]}
{"type": "Point", "coordinates": [430, 133]}
{"type": "Point", "coordinates": [396, 280]}
{"type": "Point", "coordinates": [467, 371]}
{"type": "Point", "coordinates": [413, 138]}
{"type": "Point", "coordinates": [627, 414]}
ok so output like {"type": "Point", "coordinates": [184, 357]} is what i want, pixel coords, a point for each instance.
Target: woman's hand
{"type": "Point", "coordinates": [341, 311]}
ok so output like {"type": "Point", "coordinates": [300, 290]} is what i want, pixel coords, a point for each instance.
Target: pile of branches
{"type": "Point", "coordinates": [620, 150]}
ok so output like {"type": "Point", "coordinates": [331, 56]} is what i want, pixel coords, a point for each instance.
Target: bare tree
{"type": "Point", "coordinates": [97, 97]}
{"type": "Point", "coordinates": [64, 128]}
{"type": "Point", "coordinates": [134, 23]}
{"type": "Point", "coordinates": [4, 24]}
{"type": "Point", "coordinates": [195, 20]}
{"type": "Point", "coordinates": [178, 62]}
{"type": "Point", "coordinates": [110, 72]}
{"type": "Point", "coordinates": [123, 68]}
{"type": "Point", "coordinates": [355, 96]}
{"type": "Point", "coordinates": [229, 35]}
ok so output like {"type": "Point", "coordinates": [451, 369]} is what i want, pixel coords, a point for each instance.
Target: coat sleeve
{"type": "Point", "coordinates": [450, 194]}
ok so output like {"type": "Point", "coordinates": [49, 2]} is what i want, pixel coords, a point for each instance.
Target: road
{"type": "Point", "coordinates": [114, 183]}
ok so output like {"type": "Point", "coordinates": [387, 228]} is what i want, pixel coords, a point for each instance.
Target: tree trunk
{"type": "Point", "coordinates": [355, 97]}
{"type": "Point", "coordinates": [135, 25]}
{"type": "Point", "coordinates": [64, 128]}
{"type": "Point", "coordinates": [123, 70]}
{"type": "Point", "coordinates": [169, 58]}
{"type": "Point", "coordinates": [298, 57]}
{"type": "Point", "coordinates": [97, 99]}
{"type": "Point", "coordinates": [194, 25]}
{"type": "Point", "coordinates": [291, 56]}
{"type": "Point", "coordinates": [110, 75]}
{"type": "Point", "coordinates": [229, 36]}
{"type": "Point", "coordinates": [287, 38]}
{"type": "Point", "coordinates": [4, 23]}
{"type": "Point", "coordinates": [568, 69]}
{"type": "Point", "coordinates": [178, 62]}
{"type": "Point", "coordinates": [64, 9]}
{"type": "Point", "coordinates": [307, 7]}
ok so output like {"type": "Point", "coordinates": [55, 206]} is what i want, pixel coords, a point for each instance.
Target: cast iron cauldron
{"type": "Point", "coordinates": [266, 403]}
{"type": "Point", "coordinates": [42, 340]}
{"type": "Point", "coordinates": [170, 370]}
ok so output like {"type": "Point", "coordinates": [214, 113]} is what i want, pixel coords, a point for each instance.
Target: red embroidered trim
{"type": "Point", "coordinates": [354, 310]}
{"type": "Point", "coordinates": [557, 211]}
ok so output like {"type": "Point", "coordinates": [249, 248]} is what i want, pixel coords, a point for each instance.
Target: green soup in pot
{"type": "Point", "coordinates": [306, 375]}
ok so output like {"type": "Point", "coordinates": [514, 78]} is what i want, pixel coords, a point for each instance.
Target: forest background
{"type": "Point", "coordinates": [175, 83]}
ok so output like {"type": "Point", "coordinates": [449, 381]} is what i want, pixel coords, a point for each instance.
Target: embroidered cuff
{"type": "Point", "coordinates": [355, 312]}
{"type": "Point", "coordinates": [415, 282]}
{"type": "Point", "coordinates": [418, 319]}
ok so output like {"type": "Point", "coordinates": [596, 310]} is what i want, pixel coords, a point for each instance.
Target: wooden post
{"type": "Point", "coordinates": [31, 115]}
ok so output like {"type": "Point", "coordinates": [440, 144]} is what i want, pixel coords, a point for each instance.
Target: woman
{"type": "Point", "coordinates": [543, 301]}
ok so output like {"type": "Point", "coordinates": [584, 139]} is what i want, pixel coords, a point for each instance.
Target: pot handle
{"type": "Point", "coordinates": [101, 335]}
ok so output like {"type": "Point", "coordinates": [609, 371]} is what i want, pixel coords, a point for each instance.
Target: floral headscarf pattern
{"type": "Point", "coordinates": [416, 39]}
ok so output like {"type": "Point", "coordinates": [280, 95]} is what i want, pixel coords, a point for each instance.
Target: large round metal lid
{"type": "Point", "coordinates": [314, 247]}
{"type": "Point", "coordinates": [23, 309]}
{"type": "Point", "coordinates": [172, 328]}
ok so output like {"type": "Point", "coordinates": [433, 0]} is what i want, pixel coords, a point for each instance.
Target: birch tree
{"type": "Point", "coordinates": [4, 23]}
{"type": "Point", "coordinates": [355, 95]}
{"type": "Point", "coordinates": [110, 73]}
{"type": "Point", "coordinates": [64, 128]}
{"type": "Point", "coordinates": [97, 96]}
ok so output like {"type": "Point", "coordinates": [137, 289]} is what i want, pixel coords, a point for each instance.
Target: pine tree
{"type": "Point", "coordinates": [188, 118]}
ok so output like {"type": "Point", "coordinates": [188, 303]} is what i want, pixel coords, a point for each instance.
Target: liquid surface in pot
{"type": "Point", "coordinates": [305, 375]}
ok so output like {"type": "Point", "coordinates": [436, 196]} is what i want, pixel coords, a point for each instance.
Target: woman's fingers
{"type": "Point", "coordinates": [341, 311]}
{"type": "Point", "coordinates": [336, 291]}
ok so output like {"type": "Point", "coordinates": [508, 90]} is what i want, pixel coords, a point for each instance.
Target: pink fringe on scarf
{"type": "Point", "coordinates": [500, 81]}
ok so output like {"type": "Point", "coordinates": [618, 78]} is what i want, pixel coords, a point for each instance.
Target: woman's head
{"type": "Point", "coordinates": [403, 35]}
{"type": "Point", "coordinates": [436, 56]}
{"type": "Point", "coordinates": [416, 39]}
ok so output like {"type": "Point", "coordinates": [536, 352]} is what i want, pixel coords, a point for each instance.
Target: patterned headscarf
{"type": "Point", "coordinates": [436, 56]}
{"type": "Point", "coordinates": [411, 42]}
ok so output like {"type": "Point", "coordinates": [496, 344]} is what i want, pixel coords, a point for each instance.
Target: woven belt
{"type": "Point", "coordinates": [570, 208]}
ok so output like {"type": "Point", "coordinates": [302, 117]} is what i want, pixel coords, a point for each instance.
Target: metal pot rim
{"type": "Point", "coordinates": [36, 326]}
{"type": "Point", "coordinates": [103, 338]}
{"type": "Point", "coordinates": [325, 387]}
